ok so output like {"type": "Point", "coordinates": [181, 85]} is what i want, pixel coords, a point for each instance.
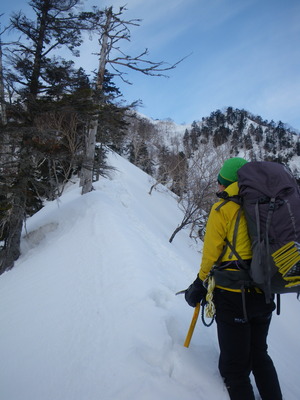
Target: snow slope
{"type": "Point", "coordinates": [89, 312]}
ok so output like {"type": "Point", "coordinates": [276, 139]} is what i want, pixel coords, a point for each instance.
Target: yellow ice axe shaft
{"type": "Point", "coordinates": [192, 326]}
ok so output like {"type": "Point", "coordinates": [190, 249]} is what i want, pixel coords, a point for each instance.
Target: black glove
{"type": "Point", "coordinates": [195, 292]}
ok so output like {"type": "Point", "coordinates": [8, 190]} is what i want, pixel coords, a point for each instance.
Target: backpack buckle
{"type": "Point", "coordinates": [272, 204]}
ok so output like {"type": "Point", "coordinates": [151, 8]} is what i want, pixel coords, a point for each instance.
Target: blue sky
{"type": "Point", "coordinates": [244, 54]}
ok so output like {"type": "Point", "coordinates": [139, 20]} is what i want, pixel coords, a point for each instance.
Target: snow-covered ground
{"type": "Point", "coordinates": [89, 312]}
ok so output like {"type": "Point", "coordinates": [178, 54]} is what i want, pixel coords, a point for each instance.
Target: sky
{"type": "Point", "coordinates": [89, 311]}
{"type": "Point", "coordinates": [243, 54]}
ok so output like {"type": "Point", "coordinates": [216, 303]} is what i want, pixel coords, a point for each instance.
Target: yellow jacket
{"type": "Point", "coordinates": [220, 225]}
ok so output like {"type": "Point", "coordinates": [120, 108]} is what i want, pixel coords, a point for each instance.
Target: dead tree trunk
{"type": "Point", "coordinates": [86, 180]}
{"type": "Point", "coordinates": [112, 32]}
{"type": "Point", "coordinates": [14, 224]}
{"type": "Point", "coordinates": [2, 96]}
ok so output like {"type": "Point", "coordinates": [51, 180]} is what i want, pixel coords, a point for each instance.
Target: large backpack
{"type": "Point", "coordinates": [270, 198]}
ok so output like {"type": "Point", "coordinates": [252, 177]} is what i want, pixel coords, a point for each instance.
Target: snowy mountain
{"type": "Point", "coordinates": [229, 132]}
{"type": "Point", "coordinates": [89, 311]}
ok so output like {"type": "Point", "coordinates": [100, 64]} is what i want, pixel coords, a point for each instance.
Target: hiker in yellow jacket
{"type": "Point", "coordinates": [242, 314]}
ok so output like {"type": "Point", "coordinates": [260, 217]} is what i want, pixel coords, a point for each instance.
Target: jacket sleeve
{"type": "Point", "coordinates": [216, 231]}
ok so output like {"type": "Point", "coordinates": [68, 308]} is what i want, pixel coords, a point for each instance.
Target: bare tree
{"type": "Point", "coordinates": [114, 30]}
{"type": "Point", "coordinates": [2, 92]}
{"type": "Point", "coordinates": [200, 187]}
{"type": "Point", "coordinates": [2, 97]}
{"type": "Point", "coordinates": [141, 132]}
{"type": "Point", "coordinates": [61, 133]}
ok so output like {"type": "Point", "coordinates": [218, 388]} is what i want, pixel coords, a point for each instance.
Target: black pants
{"type": "Point", "coordinates": [243, 345]}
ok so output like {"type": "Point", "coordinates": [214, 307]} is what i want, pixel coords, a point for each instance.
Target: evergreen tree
{"type": "Point", "coordinates": [194, 136]}
{"type": "Point", "coordinates": [112, 116]}
{"type": "Point", "coordinates": [37, 142]}
{"type": "Point", "coordinates": [55, 25]}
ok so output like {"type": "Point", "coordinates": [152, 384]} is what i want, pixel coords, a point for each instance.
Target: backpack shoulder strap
{"type": "Point", "coordinates": [232, 245]}
{"type": "Point", "coordinates": [225, 196]}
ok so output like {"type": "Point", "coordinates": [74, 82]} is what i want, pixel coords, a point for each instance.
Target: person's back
{"type": "Point", "coordinates": [221, 224]}
{"type": "Point", "coordinates": [242, 314]}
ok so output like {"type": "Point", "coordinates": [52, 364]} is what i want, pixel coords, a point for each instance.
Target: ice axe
{"type": "Point", "coordinates": [192, 324]}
